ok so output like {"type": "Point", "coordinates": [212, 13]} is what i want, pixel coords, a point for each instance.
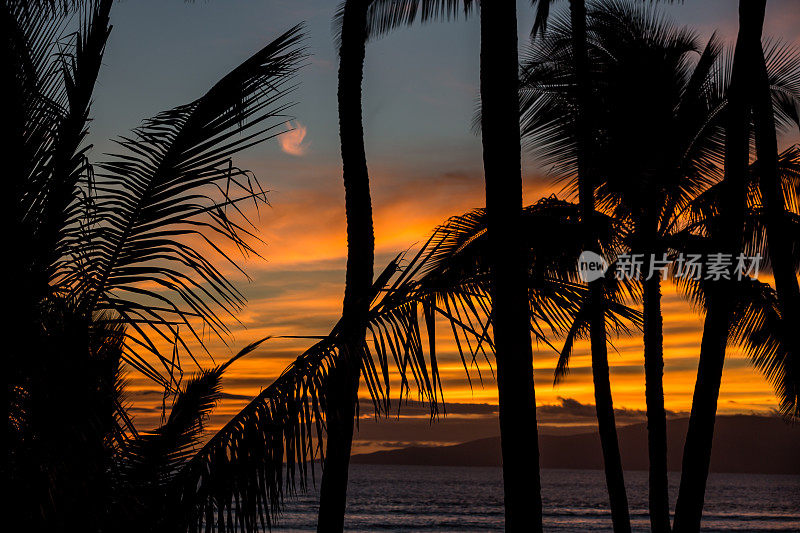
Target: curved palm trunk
{"type": "Point", "coordinates": [344, 378]}
{"type": "Point", "coordinates": [774, 205]}
{"type": "Point", "coordinates": [604, 405]}
{"type": "Point", "coordinates": [509, 275]}
{"type": "Point", "coordinates": [607, 427]}
{"type": "Point", "coordinates": [719, 295]}
{"type": "Point", "coordinates": [697, 450]}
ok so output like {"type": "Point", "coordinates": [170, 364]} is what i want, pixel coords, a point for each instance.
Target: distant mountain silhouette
{"type": "Point", "coordinates": [742, 444]}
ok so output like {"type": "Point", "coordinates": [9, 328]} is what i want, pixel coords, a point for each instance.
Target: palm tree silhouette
{"type": "Point", "coordinates": [502, 169]}
{"type": "Point", "coordinates": [277, 435]}
{"type": "Point", "coordinates": [641, 82]}
{"type": "Point", "coordinates": [105, 480]}
{"type": "Point", "coordinates": [778, 219]}
{"type": "Point", "coordinates": [150, 468]}
{"type": "Point", "coordinates": [604, 405]}
{"type": "Point", "coordinates": [113, 247]}
{"type": "Point", "coordinates": [766, 344]}
{"type": "Point", "coordinates": [93, 240]}
{"type": "Point", "coordinates": [746, 95]}
{"type": "Point", "coordinates": [345, 376]}
{"type": "Point", "coordinates": [682, 104]}
{"type": "Point", "coordinates": [508, 266]}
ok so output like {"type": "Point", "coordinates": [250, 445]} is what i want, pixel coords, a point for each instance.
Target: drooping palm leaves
{"type": "Point", "coordinates": [176, 182]}
{"type": "Point", "coordinates": [556, 294]}
{"type": "Point", "coordinates": [239, 479]}
{"type": "Point", "coordinates": [756, 328]}
{"type": "Point", "coordinates": [267, 451]}
{"type": "Point", "coordinates": [772, 357]}
{"type": "Point", "coordinates": [131, 244]}
{"type": "Point", "coordinates": [148, 468]}
{"type": "Point", "coordinates": [385, 16]}
{"type": "Point", "coordinates": [727, 236]}
{"type": "Point", "coordinates": [116, 239]}
{"type": "Point", "coordinates": [690, 143]}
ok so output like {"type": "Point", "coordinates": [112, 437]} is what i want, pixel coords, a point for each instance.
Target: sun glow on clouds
{"type": "Point", "coordinates": [297, 291]}
{"type": "Point", "coordinates": [292, 141]}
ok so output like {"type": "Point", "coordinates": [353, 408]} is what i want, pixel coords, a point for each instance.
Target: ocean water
{"type": "Point", "coordinates": [460, 499]}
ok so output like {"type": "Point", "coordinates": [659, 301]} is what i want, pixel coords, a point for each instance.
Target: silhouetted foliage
{"type": "Point", "coordinates": [107, 265]}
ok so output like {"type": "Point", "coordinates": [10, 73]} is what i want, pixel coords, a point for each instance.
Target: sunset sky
{"type": "Point", "coordinates": [420, 94]}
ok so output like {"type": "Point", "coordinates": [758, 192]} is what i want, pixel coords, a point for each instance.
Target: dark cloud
{"type": "Point", "coordinates": [571, 410]}
{"type": "Point", "coordinates": [229, 396]}
{"type": "Point", "coordinates": [142, 394]}
{"type": "Point", "coordinates": [143, 410]}
{"type": "Point", "coordinates": [464, 422]}
{"type": "Point", "coordinates": [413, 408]}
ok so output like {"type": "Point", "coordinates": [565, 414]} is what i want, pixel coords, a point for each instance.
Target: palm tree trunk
{"type": "Point", "coordinates": [654, 397]}
{"type": "Point", "coordinates": [607, 427]}
{"type": "Point", "coordinates": [697, 450]}
{"type": "Point", "coordinates": [719, 295]}
{"type": "Point", "coordinates": [344, 378]}
{"type": "Point", "coordinates": [340, 416]}
{"type": "Point", "coordinates": [508, 264]}
{"type": "Point", "coordinates": [775, 210]}
{"type": "Point", "coordinates": [604, 404]}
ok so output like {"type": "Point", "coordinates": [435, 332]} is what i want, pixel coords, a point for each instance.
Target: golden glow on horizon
{"type": "Point", "coordinates": [298, 291]}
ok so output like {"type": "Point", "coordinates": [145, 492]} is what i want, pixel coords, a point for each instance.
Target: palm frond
{"type": "Point", "coordinates": [783, 70]}
{"type": "Point", "coordinates": [669, 89]}
{"type": "Point", "coordinates": [151, 466]}
{"type": "Point", "coordinates": [620, 319]}
{"type": "Point", "coordinates": [62, 208]}
{"type": "Point", "coordinates": [758, 327]}
{"type": "Point", "coordinates": [29, 59]}
{"type": "Point", "coordinates": [384, 16]}
{"type": "Point", "coordinates": [542, 16]}
{"type": "Point", "coordinates": [701, 213]}
{"type": "Point", "coordinates": [240, 478]}
{"type": "Point", "coordinates": [454, 281]}
{"type": "Point", "coordinates": [789, 168]}
{"type": "Point", "coordinates": [176, 185]}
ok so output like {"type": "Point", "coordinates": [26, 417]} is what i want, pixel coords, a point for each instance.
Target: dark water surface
{"type": "Point", "coordinates": [454, 499]}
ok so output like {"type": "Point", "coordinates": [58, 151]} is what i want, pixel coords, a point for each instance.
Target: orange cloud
{"type": "Point", "coordinates": [292, 141]}
{"type": "Point", "coordinates": [298, 290]}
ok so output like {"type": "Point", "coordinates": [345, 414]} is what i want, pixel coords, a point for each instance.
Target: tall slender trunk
{"type": "Point", "coordinates": [658, 495]}
{"type": "Point", "coordinates": [697, 450]}
{"type": "Point", "coordinates": [508, 263]}
{"type": "Point", "coordinates": [344, 378]}
{"type": "Point", "coordinates": [604, 404]}
{"type": "Point", "coordinates": [772, 199]}
{"type": "Point", "coordinates": [654, 397]}
{"type": "Point", "coordinates": [604, 407]}
{"type": "Point", "coordinates": [727, 235]}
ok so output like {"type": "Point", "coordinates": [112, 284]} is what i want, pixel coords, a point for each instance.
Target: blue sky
{"type": "Point", "coordinates": [420, 88]}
